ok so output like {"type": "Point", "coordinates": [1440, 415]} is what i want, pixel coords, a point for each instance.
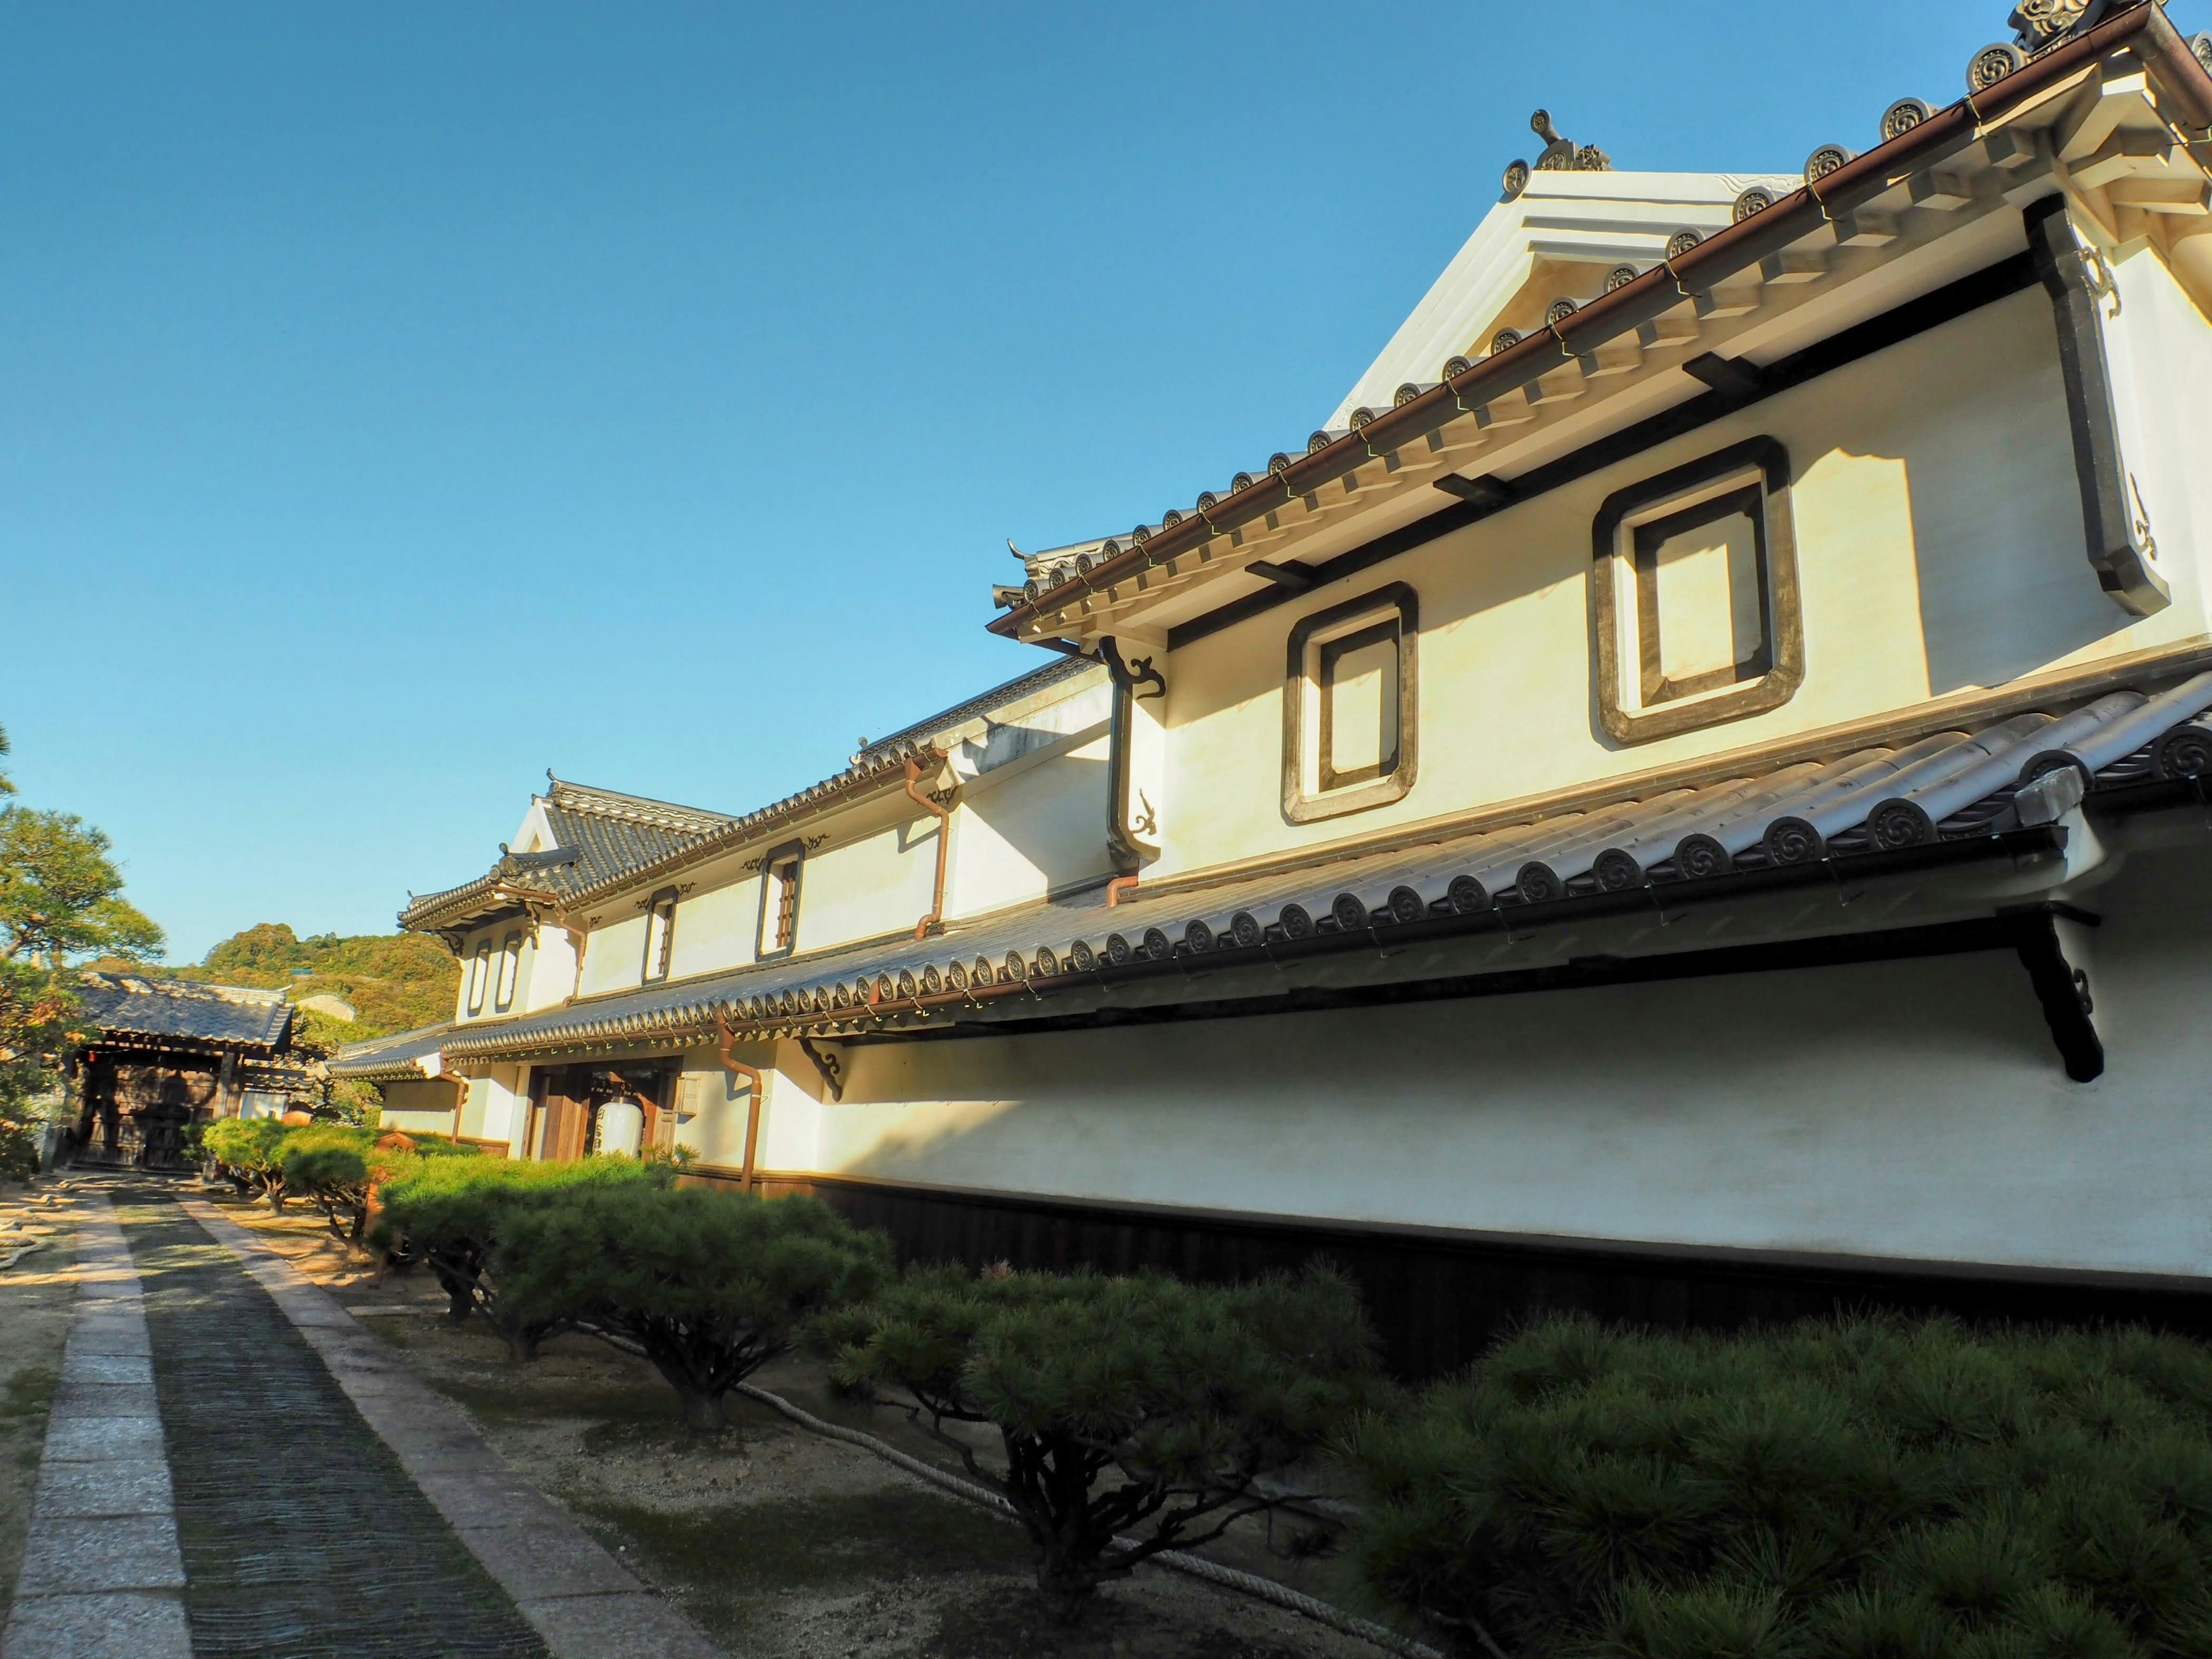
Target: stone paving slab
{"type": "Point", "coordinates": [582, 1603]}
{"type": "Point", "coordinates": [97, 1398]}
{"type": "Point", "coordinates": [80, 1366]}
{"type": "Point", "coordinates": [67, 1554]}
{"type": "Point", "coordinates": [101, 1569]}
{"type": "Point", "coordinates": [110, 1626]}
{"type": "Point", "coordinates": [120, 1486]}
{"type": "Point", "coordinates": [103, 1439]}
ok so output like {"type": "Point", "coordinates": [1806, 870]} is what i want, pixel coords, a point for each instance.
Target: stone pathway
{"type": "Point", "coordinates": [325, 1501]}
{"type": "Point", "coordinates": [101, 1572]}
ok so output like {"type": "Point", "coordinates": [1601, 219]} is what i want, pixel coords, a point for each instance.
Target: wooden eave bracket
{"type": "Point", "coordinates": [2052, 949]}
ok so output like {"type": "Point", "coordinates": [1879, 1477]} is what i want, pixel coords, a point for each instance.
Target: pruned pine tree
{"type": "Point", "coordinates": [1136, 1415]}
{"type": "Point", "coordinates": [449, 1213]}
{"type": "Point", "coordinates": [709, 1283]}
{"type": "Point", "coordinates": [250, 1154]}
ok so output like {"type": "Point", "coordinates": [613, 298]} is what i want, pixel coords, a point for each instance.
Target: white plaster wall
{"type": "Point", "coordinates": [1039, 831]}
{"type": "Point", "coordinates": [552, 976]}
{"type": "Point", "coordinates": [615, 958]}
{"type": "Point", "coordinates": [1939, 549]}
{"type": "Point", "coordinates": [1911, 1109]}
{"type": "Point", "coordinates": [424, 1108]}
{"type": "Point", "coordinates": [715, 929]}
{"type": "Point", "coordinates": [876, 884]}
{"type": "Point", "coordinates": [497, 1105]}
{"type": "Point", "coordinates": [712, 1105]}
{"type": "Point", "coordinates": [2160, 350]}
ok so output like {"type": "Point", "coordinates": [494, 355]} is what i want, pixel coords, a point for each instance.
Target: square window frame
{"type": "Point", "coordinates": [647, 973]}
{"type": "Point", "coordinates": [1299, 689]}
{"type": "Point", "coordinates": [1683, 706]}
{"type": "Point", "coordinates": [795, 852]}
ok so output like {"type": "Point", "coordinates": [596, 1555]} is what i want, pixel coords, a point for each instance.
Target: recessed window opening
{"type": "Point", "coordinates": [479, 972]}
{"type": "Point", "coordinates": [1703, 619]}
{"type": "Point", "coordinates": [659, 934]}
{"type": "Point", "coordinates": [510, 959]}
{"type": "Point", "coordinates": [1358, 685]}
{"type": "Point", "coordinates": [780, 877]}
{"type": "Point", "coordinates": [1350, 700]}
{"type": "Point", "coordinates": [1694, 598]}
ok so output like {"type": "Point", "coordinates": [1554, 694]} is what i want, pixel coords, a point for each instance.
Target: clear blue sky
{"type": "Point", "coordinates": [396, 401]}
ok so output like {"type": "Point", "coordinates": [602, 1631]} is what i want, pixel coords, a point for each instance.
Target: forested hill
{"type": "Point", "coordinates": [394, 980]}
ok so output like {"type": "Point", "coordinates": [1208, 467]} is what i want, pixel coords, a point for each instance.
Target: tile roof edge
{"type": "Point", "coordinates": [191, 990]}
{"type": "Point", "coordinates": [884, 770]}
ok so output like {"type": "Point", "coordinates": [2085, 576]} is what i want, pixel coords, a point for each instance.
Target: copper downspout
{"type": "Point", "coordinates": [752, 1077]}
{"type": "Point", "coordinates": [934, 921]}
{"type": "Point", "coordinates": [2142, 27]}
{"type": "Point", "coordinates": [1118, 887]}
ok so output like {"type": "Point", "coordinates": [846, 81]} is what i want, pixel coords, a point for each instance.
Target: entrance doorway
{"type": "Point", "coordinates": [622, 1107]}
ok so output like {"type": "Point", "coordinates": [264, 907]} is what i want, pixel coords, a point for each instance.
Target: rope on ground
{"type": "Point", "coordinates": [1247, 1583]}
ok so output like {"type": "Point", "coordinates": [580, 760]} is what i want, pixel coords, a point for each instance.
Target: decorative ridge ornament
{"type": "Point", "coordinates": [1559, 155]}
{"type": "Point", "coordinates": [2040, 23]}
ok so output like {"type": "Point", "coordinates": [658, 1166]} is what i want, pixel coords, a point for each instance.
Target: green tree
{"type": "Point", "coordinates": [1860, 1488]}
{"type": "Point", "coordinates": [1136, 1415]}
{"type": "Point", "coordinates": [450, 1213]}
{"type": "Point", "coordinates": [61, 902]}
{"type": "Point", "coordinates": [710, 1284]}
{"type": "Point", "coordinates": [250, 1153]}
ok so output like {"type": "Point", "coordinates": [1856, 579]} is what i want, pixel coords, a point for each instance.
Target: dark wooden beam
{"type": "Point", "coordinates": [1489, 491]}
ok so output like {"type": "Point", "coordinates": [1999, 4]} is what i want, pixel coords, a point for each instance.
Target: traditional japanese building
{"type": "Point", "coordinates": [164, 1053]}
{"type": "Point", "coordinates": [1685, 797]}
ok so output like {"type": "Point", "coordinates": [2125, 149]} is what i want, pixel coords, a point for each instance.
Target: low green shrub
{"type": "Point", "coordinates": [1141, 1406]}
{"type": "Point", "coordinates": [19, 1149]}
{"type": "Point", "coordinates": [342, 1167]}
{"type": "Point", "coordinates": [446, 1213]}
{"type": "Point", "coordinates": [1865, 1489]}
{"type": "Point", "coordinates": [249, 1153]}
{"type": "Point", "coordinates": [710, 1284]}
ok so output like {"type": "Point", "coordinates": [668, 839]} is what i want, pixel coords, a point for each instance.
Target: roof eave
{"type": "Point", "coordinates": [2175, 71]}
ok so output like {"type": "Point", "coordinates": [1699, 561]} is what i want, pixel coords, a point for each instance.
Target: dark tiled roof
{"type": "Point", "coordinates": [1802, 821]}
{"type": "Point", "coordinates": [601, 835]}
{"type": "Point", "coordinates": [125, 1005]}
{"type": "Point", "coordinates": [390, 1059]}
{"type": "Point", "coordinates": [878, 765]}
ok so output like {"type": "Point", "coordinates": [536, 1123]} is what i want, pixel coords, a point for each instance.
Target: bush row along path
{"type": "Point", "coordinates": [325, 1500]}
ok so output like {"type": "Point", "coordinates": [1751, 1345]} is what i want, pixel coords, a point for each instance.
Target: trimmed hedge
{"type": "Point", "coordinates": [1874, 1488]}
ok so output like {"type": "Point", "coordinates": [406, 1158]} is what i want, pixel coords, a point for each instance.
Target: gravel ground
{"type": "Point", "coordinates": [37, 1297]}
{"type": "Point", "coordinates": [784, 1545]}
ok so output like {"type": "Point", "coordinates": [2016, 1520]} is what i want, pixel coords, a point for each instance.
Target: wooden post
{"type": "Point", "coordinates": [227, 1095]}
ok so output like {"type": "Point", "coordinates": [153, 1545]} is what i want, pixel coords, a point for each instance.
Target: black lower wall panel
{"type": "Point", "coordinates": [1438, 1299]}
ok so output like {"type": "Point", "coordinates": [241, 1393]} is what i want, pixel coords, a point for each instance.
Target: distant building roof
{"type": "Point", "coordinates": [598, 835]}
{"type": "Point", "coordinates": [607, 842]}
{"type": "Point", "coordinates": [127, 1006]}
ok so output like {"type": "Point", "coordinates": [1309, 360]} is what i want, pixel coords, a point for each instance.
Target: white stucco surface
{"type": "Point", "coordinates": [1910, 1109]}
